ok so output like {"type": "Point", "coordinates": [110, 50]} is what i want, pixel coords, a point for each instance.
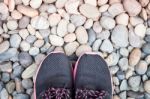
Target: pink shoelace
{"type": "Point", "coordinates": [90, 94]}
{"type": "Point", "coordinates": [56, 93]}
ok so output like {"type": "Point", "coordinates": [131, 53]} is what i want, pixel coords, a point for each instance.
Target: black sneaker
{"type": "Point", "coordinates": [92, 78]}
{"type": "Point", "coordinates": [54, 79]}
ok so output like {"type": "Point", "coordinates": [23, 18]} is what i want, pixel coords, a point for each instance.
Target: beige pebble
{"type": "Point", "coordinates": [56, 40]}
{"type": "Point", "coordinates": [16, 15]}
{"type": "Point", "coordinates": [82, 49]}
{"type": "Point", "coordinates": [59, 49]}
{"type": "Point", "coordinates": [54, 19]}
{"type": "Point", "coordinates": [31, 29]}
{"type": "Point", "coordinates": [141, 67]}
{"type": "Point", "coordinates": [102, 2]}
{"type": "Point", "coordinates": [97, 27]}
{"type": "Point", "coordinates": [122, 19]}
{"type": "Point", "coordinates": [24, 33]}
{"type": "Point", "coordinates": [25, 2]}
{"type": "Point", "coordinates": [38, 43]}
{"type": "Point", "coordinates": [54, 30]}
{"type": "Point", "coordinates": [62, 28]}
{"type": "Point", "coordinates": [136, 20]}
{"type": "Point", "coordinates": [70, 37]}
{"type": "Point", "coordinates": [12, 24]}
{"type": "Point", "coordinates": [71, 28]}
{"type": "Point", "coordinates": [134, 56]}
{"type": "Point", "coordinates": [49, 1]}
{"type": "Point", "coordinates": [35, 3]}
{"type": "Point", "coordinates": [114, 1]}
{"type": "Point", "coordinates": [144, 2]}
{"type": "Point", "coordinates": [133, 7]}
{"type": "Point", "coordinates": [11, 5]}
{"type": "Point", "coordinates": [88, 24]}
{"type": "Point", "coordinates": [38, 35]}
{"type": "Point", "coordinates": [91, 2]}
{"type": "Point", "coordinates": [60, 3]}
{"type": "Point", "coordinates": [6, 2]}
{"type": "Point", "coordinates": [140, 30]}
{"type": "Point", "coordinates": [147, 86]}
{"type": "Point", "coordinates": [28, 11]}
{"type": "Point", "coordinates": [25, 46]}
{"type": "Point", "coordinates": [4, 46]}
{"type": "Point", "coordinates": [144, 14]}
{"type": "Point", "coordinates": [104, 8]}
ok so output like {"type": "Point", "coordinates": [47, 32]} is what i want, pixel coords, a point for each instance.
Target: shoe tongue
{"type": "Point", "coordinates": [55, 93]}
{"type": "Point", "coordinates": [90, 94]}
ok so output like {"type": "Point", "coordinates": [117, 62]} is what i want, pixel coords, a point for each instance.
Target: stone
{"type": "Point", "coordinates": [45, 47]}
{"type": "Point", "coordinates": [123, 85]}
{"type": "Point", "coordinates": [136, 95]}
{"type": "Point", "coordinates": [94, 2]}
{"type": "Point", "coordinates": [114, 69]}
{"type": "Point", "coordinates": [17, 71]}
{"type": "Point", "coordinates": [21, 96]}
{"type": "Point", "coordinates": [88, 24]}
{"type": "Point", "coordinates": [144, 2]}
{"type": "Point", "coordinates": [25, 2]}
{"type": "Point", "coordinates": [39, 22]}
{"type": "Point", "coordinates": [23, 22]}
{"type": "Point", "coordinates": [140, 30]}
{"type": "Point", "coordinates": [49, 1]}
{"type": "Point", "coordinates": [23, 33]}
{"type": "Point", "coordinates": [25, 59]}
{"type": "Point", "coordinates": [105, 34]}
{"type": "Point", "coordinates": [77, 20]}
{"type": "Point", "coordinates": [45, 32]}
{"type": "Point", "coordinates": [80, 33]}
{"type": "Point", "coordinates": [146, 48]}
{"type": "Point", "coordinates": [25, 46]}
{"type": "Point", "coordinates": [116, 9]}
{"type": "Point", "coordinates": [124, 52]}
{"type": "Point", "coordinates": [96, 44]}
{"type": "Point", "coordinates": [123, 63]}
{"type": "Point", "coordinates": [147, 38]}
{"type": "Point", "coordinates": [10, 86]}
{"type": "Point", "coordinates": [12, 24]}
{"type": "Point", "coordinates": [120, 75]}
{"type": "Point", "coordinates": [27, 83]}
{"type": "Point", "coordinates": [4, 46]}
{"type": "Point", "coordinates": [135, 20]}
{"type": "Point", "coordinates": [71, 28]}
{"type": "Point", "coordinates": [11, 5]}
{"type": "Point", "coordinates": [16, 15]}
{"type": "Point", "coordinates": [51, 8]}
{"type": "Point", "coordinates": [38, 43]}
{"type": "Point", "coordinates": [70, 37]}
{"type": "Point", "coordinates": [112, 59]}
{"type": "Point", "coordinates": [56, 40]}
{"type": "Point", "coordinates": [123, 95]}
{"type": "Point", "coordinates": [91, 36]}
{"type": "Point", "coordinates": [97, 27]}
{"type": "Point", "coordinates": [104, 8]}
{"type": "Point", "coordinates": [147, 86]}
{"type": "Point", "coordinates": [11, 52]}
{"type": "Point", "coordinates": [62, 28]}
{"type": "Point", "coordinates": [28, 11]}
{"type": "Point", "coordinates": [132, 10]}
{"type": "Point", "coordinates": [115, 80]}
{"type": "Point", "coordinates": [107, 46]}
{"type": "Point", "coordinates": [4, 94]}
{"type": "Point", "coordinates": [82, 49]}
{"type": "Point", "coordinates": [102, 2]}
{"type": "Point", "coordinates": [35, 4]}
{"type": "Point", "coordinates": [54, 19]}
{"type": "Point", "coordinates": [4, 11]}
{"type": "Point", "coordinates": [120, 36]}
{"type": "Point", "coordinates": [141, 67]}
{"type": "Point", "coordinates": [134, 56]}
{"type": "Point", "coordinates": [5, 77]}
{"type": "Point", "coordinates": [134, 81]}
{"type": "Point", "coordinates": [70, 48]}
{"type": "Point", "coordinates": [147, 59]}
{"type": "Point", "coordinates": [39, 58]}
{"type": "Point", "coordinates": [31, 39]}
{"type": "Point", "coordinates": [60, 3]}
{"type": "Point", "coordinates": [87, 9]}
{"type": "Point", "coordinates": [72, 7]}
{"type": "Point", "coordinates": [122, 19]}
{"type": "Point", "coordinates": [15, 40]}
{"type": "Point", "coordinates": [29, 72]}
{"type": "Point", "coordinates": [6, 67]}
{"type": "Point", "coordinates": [34, 51]}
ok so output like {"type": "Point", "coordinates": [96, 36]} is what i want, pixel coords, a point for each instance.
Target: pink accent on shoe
{"type": "Point", "coordinates": [39, 69]}
{"type": "Point", "coordinates": [76, 66]}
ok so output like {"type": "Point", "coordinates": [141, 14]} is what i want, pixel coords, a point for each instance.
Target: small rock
{"type": "Point", "coordinates": [123, 63]}
{"type": "Point", "coordinates": [97, 27]}
{"type": "Point", "coordinates": [6, 67]}
{"type": "Point", "coordinates": [147, 59]}
{"type": "Point", "coordinates": [31, 39]}
{"type": "Point", "coordinates": [107, 46]}
{"type": "Point", "coordinates": [49, 1]}
{"type": "Point", "coordinates": [19, 87]}
{"type": "Point", "coordinates": [27, 83]}
{"type": "Point", "coordinates": [140, 30]}
{"type": "Point", "coordinates": [96, 45]}
{"type": "Point", "coordinates": [120, 36]}
{"type": "Point", "coordinates": [12, 24]}
{"type": "Point", "coordinates": [5, 77]}
{"type": "Point", "coordinates": [39, 22]}
{"type": "Point", "coordinates": [16, 15]}
{"type": "Point", "coordinates": [82, 49]}
{"type": "Point", "coordinates": [21, 96]}
{"type": "Point", "coordinates": [102, 2]}
{"type": "Point", "coordinates": [122, 19]}
{"type": "Point", "coordinates": [141, 67]}
{"type": "Point", "coordinates": [51, 8]}
{"type": "Point", "coordinates": [38, 43]}
{"type": "Point", "coordinates": [45, 47]}
{"type": "Point", "coordinates": [116, 9]}
{"type": "Point", "coordinates": [77, 20]}
{"type": "Point", "coordinates": [70, 37]}
{"type": "Point", "coordinates": [56, 40]}
{"type": "Point", "coordinates": [104, 8]}
{"type": "Point", "coordinates": [144, 2]}
{"type": "Point", "coordinates": [29, 72]}
{"type": "Point", "coordinates": [28, 11]}
{"type": "Point", "coordinates": [114, 69]}
{"type": "Point", "coordinates": [25, 59]}
{"type": "Point", "coordinates": [15, 40]}
{"type": "Point", "coordinates": [147, 38]}
{"type": "Point", "coordinates": [123, 85]}
{"type": "Point", "coordinates": [88, 24]}
{"type": "Point", "coordinates": [93, 2]}
{"type": "Point", "coordinates": [54, 19]}
{"type": "Point", "coordinates": [23, 33]}
{"type": "Point", "coordinates": [147, 86]}
{"type": "Point", "coordinates": [123, 95]}
{"type": "Point", "coordinates": [134, 56]}
{"type": "Point", "coordinates": [107, 22]}
{"type": "Point", "coordinates": [132, 10]}
{"type": "Point", "coordinates": [39, 58]}
{"type": "Point", "coordinates": [134, 82]}
{"type": "Point", "coordinates": [124, 52]}
{"type": "Point", "coordinates": [146, 48]}
{"type": "Point", "coordinates": [24, 21]}
{"type": "Point", "coordinates": [115, 80]}
{"type": "Point", "coordinates": [62, 28]}
{"type": "Point", "coordinates": [35, 4]}
{"type": "Point", "coordinates": [147, 95]}
{"type": "Point", "coordinates": [105, 34]}
{"type": "Point", "coordinates": [60, 3]}
{"type": "Point", "coordinates": [80, 33]}
{"type": "Point", "coordinates": [135, 95]}
{"type": "Point", "coordinates": [4, 46]}
{"type": "Point", "coordinates": [87, 9]}
{"type": "Point", "coordinates": [92, 36]}
{"type": "Point", "coordinates": [70, 48]}
{"type": "Point", "coordinates": [135, 20]}
{"type": "Point", "coordinates": [17, 71]}
{"type": "Point", "coordinates": [71, 28]}
{"type": "Point", "coordinates": [112, 59]}
{"type": "Point", "coordinates": [4, 11]}
{"type": "Point", "coordinates": [24, 46]}
{"type": "Point", "coordinates": [10, 86]}
{"type": "Point", "coordinates": [120, 75]}
{"type": "Point", "coordinates": [4, 94]}
{"type": "Point", "coordinates": [34, 51]}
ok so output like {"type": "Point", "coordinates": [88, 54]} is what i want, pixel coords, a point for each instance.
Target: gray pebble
{"type": "Point", "coordinates": [15, 40]}
{"type": "Point", "coordinates": [113, 69]}
{"type": "Point", "coordinates": [123, 63]}
{"type": "Point", "coordinates": [27, 83]}
{"type": "Point", "coordinates": [96, 44]}
{"type": "Point", "coordinates": [134, 82]}
{"type": "Point", "coordinates": [120, 75]}
{"type": "Point", "coordinates": [19, 87]}
{"type": "Point", "coordinates": [31, 39]}
{"type": "Point", "coordinates": [92, 36]}
{"type": "Point", "coordinates": [4, 94]}
{"type": "Point", "coordinates": [107, 46]}
{"type": "Point", "coordinates": [23, 22]}
{"type": "Point", "coordinates": [135, 95]}
{"type": "Point", "coordinates": [146, 48]}
{"type": "Point", "coordinates": [147, 38]}
{"type": "Point", "coordinates": [21, 96]}
{"type": "Point", "coordinates": [5, 77]}
{"type": "Point", "coordinates": [44, 33]}
{"type": "Point", "coordinates": [29, 91]}
{"type": "Point", "coordinates": [45, 47]}
{"type": "Point", "coordinates": [123, 95]}
{"type": "Point", "coordinates": [17, 71]}
{"type": "Point", "coordinates": [148, 72]}
{"type": "Point", "coordinates": [104, 35]}
{"type": "Point", "coordinates": [10, 86]}
{"type": "Point", "coordinates": [123, 85]}
{"type": "Point", "coordinates": [77, 20]}
{"type": "Point", "coordinates": [1, 86]}
{"type": "Point", "coordinates": [147, 96]}
{"type": "Point", "coordinates": [25, 59]}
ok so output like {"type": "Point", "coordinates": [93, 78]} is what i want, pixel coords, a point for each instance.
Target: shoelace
{"type": "Point", "coordinates": [55, 93]}
{"type": "Point", "coordinates": [90, 94]}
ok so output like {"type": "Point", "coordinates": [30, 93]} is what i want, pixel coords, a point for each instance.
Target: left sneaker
{"type": "Point", "coordinates": [54, 78]}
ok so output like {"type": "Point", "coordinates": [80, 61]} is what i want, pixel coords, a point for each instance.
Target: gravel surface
{"type": "Point", "coordinates": [119, 30]}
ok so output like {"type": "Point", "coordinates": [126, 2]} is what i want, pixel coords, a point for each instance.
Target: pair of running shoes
{"type": "Point", "coordinates": [57, 79]}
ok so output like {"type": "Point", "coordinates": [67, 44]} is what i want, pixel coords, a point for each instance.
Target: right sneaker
{"type": "Point", "coordinates": [92, 78]}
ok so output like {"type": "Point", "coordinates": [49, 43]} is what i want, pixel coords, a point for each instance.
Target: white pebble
{"type": "Point", "coordinates": [140, 30]}
{"type": "Point", "coordinates": [70, 37]}
{"type": "Point", "coordinates": [12, 24]}
{"type": "Point", "coordinates": [54, 19]}
{"type": "Point", "coordinates": [56, 40]}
